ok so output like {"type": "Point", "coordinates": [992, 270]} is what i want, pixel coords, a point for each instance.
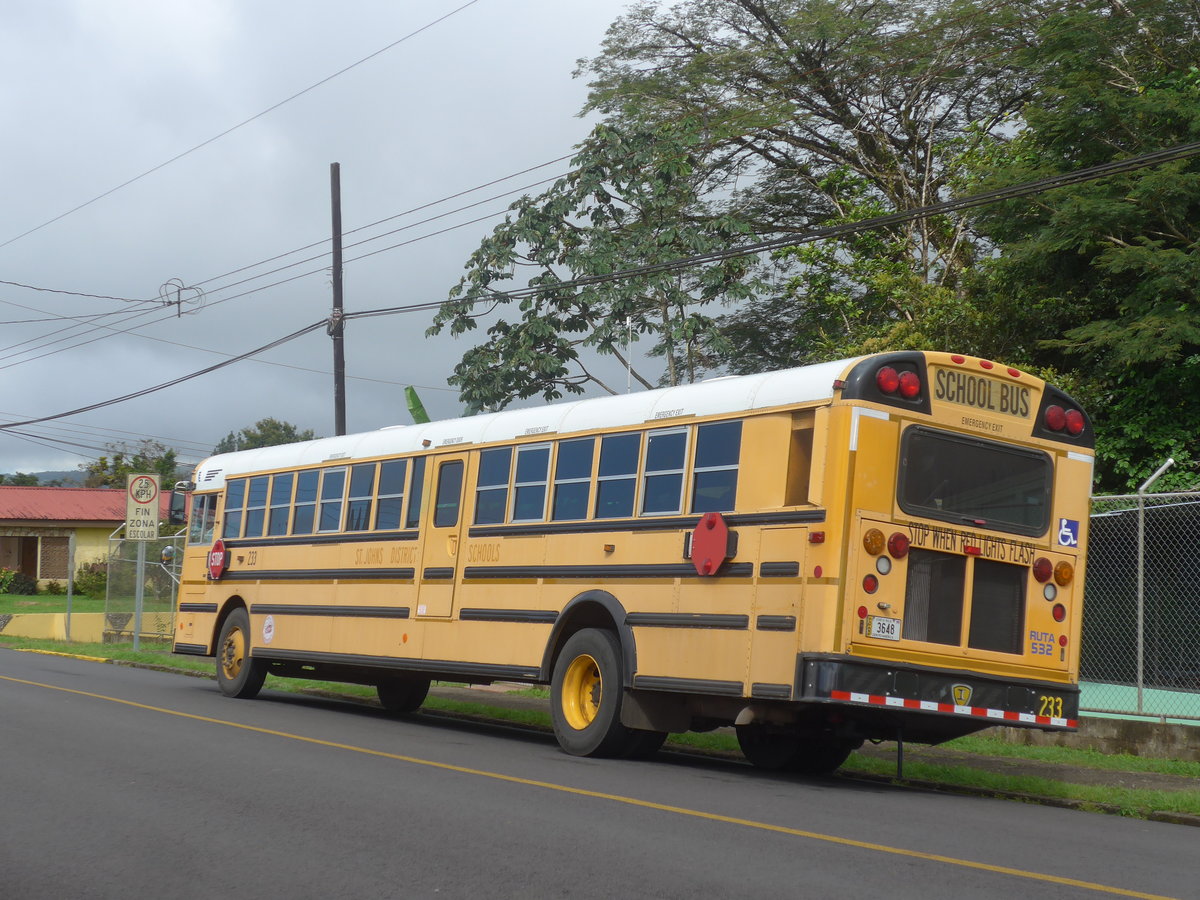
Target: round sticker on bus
{"type": "Point", "coordinates": [218, 560]}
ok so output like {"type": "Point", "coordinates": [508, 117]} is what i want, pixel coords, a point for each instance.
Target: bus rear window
{"type": "Point", "coordinates": [966, 480]}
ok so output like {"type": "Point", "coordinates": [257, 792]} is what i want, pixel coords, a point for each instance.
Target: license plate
{"type": "Point", "coordinates": [883, 627]}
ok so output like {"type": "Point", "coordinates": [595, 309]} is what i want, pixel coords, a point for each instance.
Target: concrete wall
{"type": "Point", "coordinates": [86, 627]}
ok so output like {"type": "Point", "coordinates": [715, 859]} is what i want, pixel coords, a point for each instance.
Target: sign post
{"type": "Point", "coordinates": [141, 525]}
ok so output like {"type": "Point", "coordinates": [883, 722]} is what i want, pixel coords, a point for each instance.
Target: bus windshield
{"type": "Point", "coordinates": [960, 479]}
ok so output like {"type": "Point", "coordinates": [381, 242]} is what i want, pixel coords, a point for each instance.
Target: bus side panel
{"type": "Point", "coordinates": [779, 609]}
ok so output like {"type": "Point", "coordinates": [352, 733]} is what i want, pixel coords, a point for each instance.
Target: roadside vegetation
{"type": "Point", "coordinates": [1127, 801]}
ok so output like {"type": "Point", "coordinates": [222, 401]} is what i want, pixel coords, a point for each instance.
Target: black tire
{"type": "Point", "coordinates": [403, 695]}
{"type": "Point", "coordinates": [238, 673]}
{"type": "Point", "coordinates": [768, 748]}
{"type": "Point", "coordinates": [644, 744]}
{"type": "Point", "coordinates": [820, 757]}
{"type": "Point", "coordinates": [586, 692]}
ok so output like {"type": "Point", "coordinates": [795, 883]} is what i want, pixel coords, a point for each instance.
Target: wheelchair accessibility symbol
{"type": "Point", "coordinates": [1068, 533]}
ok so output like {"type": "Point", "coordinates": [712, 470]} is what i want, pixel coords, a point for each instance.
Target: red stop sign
{"type": "Point", "coordinates": [218, 560]}
{"type": "Point", "coordinates": [710, 543]}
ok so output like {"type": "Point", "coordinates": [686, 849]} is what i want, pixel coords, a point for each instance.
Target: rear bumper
{"type": "Point", "coordinates": [908, 694]}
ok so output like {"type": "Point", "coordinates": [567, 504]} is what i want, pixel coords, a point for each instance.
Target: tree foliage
{"type": "Point", "coordinates": [633, 198]}
{"type": "Point", "coordinates": [730, 120]}
{"type": "Point", "coordinates": [1103, 277]}
{"type": "Point", "coordinates": [148, 458]}
{"type": "Point", "coordinates": [24, 479]}
{"type": "Point", "coordinates": [727, 122]}
{"type": "Point", "coordinates": [266, 432]}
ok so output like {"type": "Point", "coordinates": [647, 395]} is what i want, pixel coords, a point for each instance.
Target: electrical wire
{"type": "Point", "coordinates": [1181, 151]}
{"type": "Point", "coordinates": [1010, 192]}
{"type": "Point", "coordinates": [234, 128]}
{"type": "Point", "coordinates": [166, 384]}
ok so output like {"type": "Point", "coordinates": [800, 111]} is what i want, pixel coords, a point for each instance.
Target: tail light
{"type": "Point", "coordinates": [1063, 573]}
{"type": "Point", "coordinates": [1069, 420]}
{"type": "Point", "coordinates": [887, 380]}
{"type": "Point", "coordinates": [1059, 612]}
{"type": "Point", "coordinates": [898, 545]}
{"type": "Point", "coordinates": [1042, 570]}
{"type": "Point", "coordinates": [907, 383]}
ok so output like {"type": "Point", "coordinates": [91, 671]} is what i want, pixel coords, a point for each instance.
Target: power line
{"type": "Point", "coordinates": [1079, 176]}
{"type": "Point", "coordinates": [34, 287]}
{"type": "Point", "coordinates": [166, 384]}
{"type": "Point", "coordinates": [234, 128]}
{"type": "Point", "coordinates": [130, 316]}
{"type": "Point", "coordinates": [1041, 185]}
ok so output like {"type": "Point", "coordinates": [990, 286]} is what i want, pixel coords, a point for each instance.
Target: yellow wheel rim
{"type": "Point", "coordinates": [233, 654]}
{"type": "Point", "coordinates": [582, 691]}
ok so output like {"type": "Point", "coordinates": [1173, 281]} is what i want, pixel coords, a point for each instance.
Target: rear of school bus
{"type": "Point", "coordinates": [957, 492]}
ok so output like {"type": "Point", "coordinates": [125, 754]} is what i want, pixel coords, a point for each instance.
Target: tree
{"type": "Point", "coordinates": [20, 478]}
{"type": "Point", "coordinates": [632, 199]}
{"type": "Point", "coordinates": [148, 457]}
{"type": "Point", "coordinates": [266, 432]}
{"type": "Point", "coordinates": [729, 121]}
{"type": "Point", "coordinates": [1103, 278]}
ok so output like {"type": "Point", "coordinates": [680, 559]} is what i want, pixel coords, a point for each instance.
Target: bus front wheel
{"type": "Point", "coordinates": [585, 699]}
{"type": "Point", "coordinates": [402, 695]}
{"type": "Point", "coordinates": [238, 673]}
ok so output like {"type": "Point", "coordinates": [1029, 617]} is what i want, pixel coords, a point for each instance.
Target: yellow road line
{"type": "Point", "coordinates": [618, 798]}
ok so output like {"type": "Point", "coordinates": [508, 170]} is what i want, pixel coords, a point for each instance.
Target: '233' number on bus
{"type": "Point", "coordinates": [1051, 706]}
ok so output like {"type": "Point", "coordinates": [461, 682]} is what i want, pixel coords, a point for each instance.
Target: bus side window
{"type": "Point", "coordinates": [306, 502]}
{"type": "Point", "coordinates": [362, 488]}
{"type": "Point", "coordinates": [799, 467]}
{"type": "Point", "coordinates": [333, 488]}
{"type": "Point", "coordinates": [449, 494]}
{"type": "Point", "coordinates": [666, 456]}
{"type": "Point", "coordinates": [715, 473]}
{"type": "Point", "coordinates": [616, 484]}
{"type": "Point", "coordinates": [573, 479]}
{"type": "Point", "coordinates": [235, 498]}
{"type": "Point", "coordinates": [281, 503]}
{"type": "Point", "coordinates": [256, 506]}
{"type": "Point", "coordinates": [529, 485]}
{"type": "Point", "coordinates": [391, 494]}
{"type": "Point", "coordinates": [416, 494]}
{"type": "Point", "coordinates": [491, 495]}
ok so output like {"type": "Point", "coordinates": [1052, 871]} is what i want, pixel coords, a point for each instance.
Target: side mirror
{"type": "Point", "coordinates": [177, 512]}
{"type": "Point", "coordinates": [168, 554]}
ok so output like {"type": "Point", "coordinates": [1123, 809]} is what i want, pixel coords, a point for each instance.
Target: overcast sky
{"type": "Point", "coordinates": [94, 93]}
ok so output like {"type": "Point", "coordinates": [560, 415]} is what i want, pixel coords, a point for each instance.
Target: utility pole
{"type": "Point", "coordinates": [337, 324]}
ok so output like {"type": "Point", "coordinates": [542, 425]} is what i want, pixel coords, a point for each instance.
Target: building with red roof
{"type": "Point", "coordinates": [37, 523]}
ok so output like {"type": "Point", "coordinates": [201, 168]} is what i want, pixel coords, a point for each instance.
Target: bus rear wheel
{"type": "Point", "coordinates": [585, 700]}
{"type": "Point", "coordinates": [238, 673]}
{"type": "Point", "coordinates": [402, 695]}
{"type": "Point", "coordinates": [781, 749]}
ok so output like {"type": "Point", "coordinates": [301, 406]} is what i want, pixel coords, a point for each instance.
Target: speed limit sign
{"type": "Point", "coordinates": [141, 508]}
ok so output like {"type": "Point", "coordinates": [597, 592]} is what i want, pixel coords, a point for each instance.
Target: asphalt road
{"type": "Point", "coordinates": [118, 782]}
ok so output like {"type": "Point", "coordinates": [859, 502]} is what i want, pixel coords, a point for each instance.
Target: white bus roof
{"type": "Point", "coordinates": [714, 396]}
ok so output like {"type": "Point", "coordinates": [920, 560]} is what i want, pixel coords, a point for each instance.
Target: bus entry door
{"type": "Point", "coordinates": [441, 529]}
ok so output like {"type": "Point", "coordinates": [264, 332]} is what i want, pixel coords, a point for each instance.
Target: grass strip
{"type": "Point", "coordinates": [1127, 801]}
{"type": "Point", "coordinates": [1091, 759]}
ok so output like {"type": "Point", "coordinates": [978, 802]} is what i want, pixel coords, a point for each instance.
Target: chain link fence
{"type": "Point", "coordinates": [159, 580]}
{"type": "Point", "coordinates": [1141, 621]}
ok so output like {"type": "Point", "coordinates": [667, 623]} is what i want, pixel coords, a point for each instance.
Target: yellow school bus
{"type": "Point", "coordinates": [886, 547]}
